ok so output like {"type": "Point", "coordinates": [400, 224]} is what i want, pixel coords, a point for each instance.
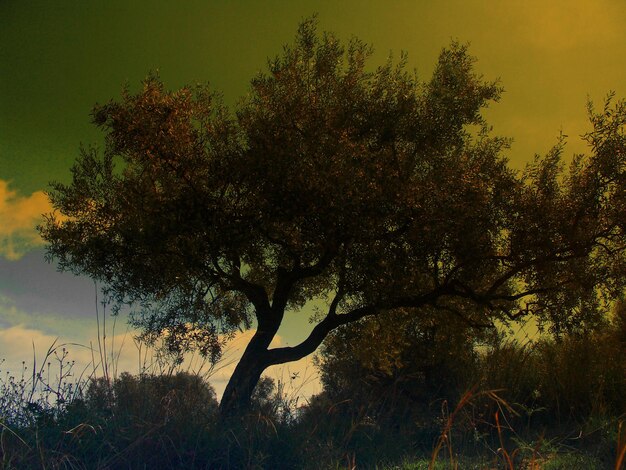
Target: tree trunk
{"type": "Point", "coordinates": [257, 357]}
{"type": "Point", "coordinates": [238, 392]}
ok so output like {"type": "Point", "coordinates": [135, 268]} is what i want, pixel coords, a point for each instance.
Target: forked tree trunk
{"type": "Point", "coordinates": [256, 358]}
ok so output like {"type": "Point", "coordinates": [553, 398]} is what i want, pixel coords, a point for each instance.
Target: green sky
{"type": "Point", "coordinates": [58, 58]}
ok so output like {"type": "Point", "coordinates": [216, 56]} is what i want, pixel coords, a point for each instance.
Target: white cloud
{"type": "Point", "coordinates": [49, 323]}
{"type": "Point", "coordinates": [18, 217]}
{"type": "Point", "coordinates": [23, 343]}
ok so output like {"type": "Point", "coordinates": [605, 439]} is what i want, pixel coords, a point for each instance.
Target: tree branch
{"type": "Point", "coordinates": [255, 293]}
{"type": "Point", "coordinates": [333, 320]}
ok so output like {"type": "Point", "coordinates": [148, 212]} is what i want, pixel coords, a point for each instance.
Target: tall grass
{"type": "Point", "coordinates": [550, 404]}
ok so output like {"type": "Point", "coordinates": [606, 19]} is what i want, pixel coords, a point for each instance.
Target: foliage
{"type": "Point", "coordinates": [393, 378]}
{"type": "Point", "coordinates": [371, 190]}
{"type": "Point", "coordinates": [158, 421]}
{"type": "Point", "coordinates": [568, 380]}
{"type": "Point", "coordinates": [170, 421]}
{"type": "Point", "coordinates": [178, 399]}
{"type": "Point", "coordinates": [553, 396]}
{"type": "Point", "coordinates": [40, 393]}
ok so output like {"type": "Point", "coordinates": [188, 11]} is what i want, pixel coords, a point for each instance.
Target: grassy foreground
{"type": "Point", "coordinates": [512, 417]}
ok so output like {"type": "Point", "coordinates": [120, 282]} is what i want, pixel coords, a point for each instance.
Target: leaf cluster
{"type": "Point", "coordinates": [367, 188]}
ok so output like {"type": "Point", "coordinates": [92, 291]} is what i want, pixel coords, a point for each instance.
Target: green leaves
{"type": "Point", "coordinates": [334, 178]}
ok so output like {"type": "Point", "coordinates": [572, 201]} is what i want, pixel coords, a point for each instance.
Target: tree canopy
{"type": "Point", "coordinates": [371, 190]}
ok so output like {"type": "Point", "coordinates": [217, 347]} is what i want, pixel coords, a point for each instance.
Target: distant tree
{"type": "Point", "coordinates": [371, 190]}
{"type": "Point", "coordinates": [405, 361]}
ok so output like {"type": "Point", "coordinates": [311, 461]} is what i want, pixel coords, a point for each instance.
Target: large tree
{"type": "Point", "coordinates": [369, 190]}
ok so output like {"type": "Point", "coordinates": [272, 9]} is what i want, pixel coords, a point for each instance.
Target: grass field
{"type": "Point", "coordinates": [555, 405]}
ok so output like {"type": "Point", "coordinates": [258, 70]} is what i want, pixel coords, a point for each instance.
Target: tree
{"type": "Point", "coordinates": [406, 362]}
{"type": "Point", "coordinates": [370, 190]}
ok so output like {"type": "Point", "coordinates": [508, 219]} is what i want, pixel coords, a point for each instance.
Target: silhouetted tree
{"type": "Point", "coordinates": [371, 190]}
{"type": "Point", "coordinates": [407, 362]}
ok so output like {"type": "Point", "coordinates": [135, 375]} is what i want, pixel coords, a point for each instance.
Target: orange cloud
{"type": "Point", "coordinates": [18, 217]}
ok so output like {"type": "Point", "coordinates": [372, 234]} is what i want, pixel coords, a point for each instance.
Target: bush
{"type": "Point", "coordinates": [161, 421]}
{"type": "Point", "coordinates": [563, 381]}
{"type": "Point", "coordinates": [385, 383]}
{"type": "Point", "coordinates": [389, 388]}
{"type": "Point", "coordinates": [390, 394]}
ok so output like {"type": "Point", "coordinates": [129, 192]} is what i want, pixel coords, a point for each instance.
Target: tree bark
{"type": "Point", "coordinates": [257, 357]}
{"type": "Point", "coordinates": [238, 392]}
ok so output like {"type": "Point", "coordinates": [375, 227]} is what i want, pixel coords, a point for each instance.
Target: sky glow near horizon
{"type": "Point", "coordinates": [58, 59]}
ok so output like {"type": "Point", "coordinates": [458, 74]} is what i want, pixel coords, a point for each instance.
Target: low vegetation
{"type": "Point", "coordinates": [554, 403]}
